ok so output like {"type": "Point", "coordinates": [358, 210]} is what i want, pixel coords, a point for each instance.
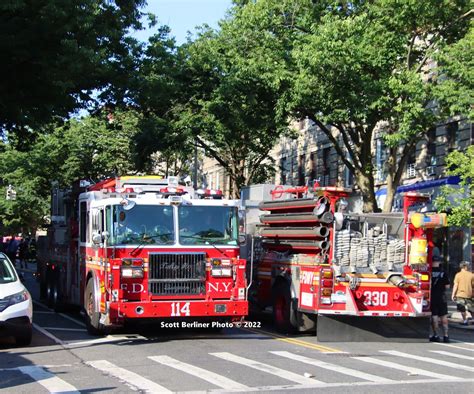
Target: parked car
{"type": "Point", "coordinates": [16, 306]}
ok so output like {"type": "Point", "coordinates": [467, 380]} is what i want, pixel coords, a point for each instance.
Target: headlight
{"type": "Point", "coordinates": [13, 299]}
{"type": "Point", "coordinates": [132, 272]}
{"type": "Point", "coordinates": [221, 272]}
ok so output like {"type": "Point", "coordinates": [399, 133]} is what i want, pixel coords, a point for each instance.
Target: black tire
{"type": "Point", "coordinates": [24, 337]}
{"type": "Point", "coordinates": [93, 325]}
{"type": "Point", "coordinates": [283, 313]}
{"type": "Point", "coordinates": [43, 288]}
{"type": "Point", "coordinates": [50, 289]}
{"type": "Point", "coordinates": [58, 301]}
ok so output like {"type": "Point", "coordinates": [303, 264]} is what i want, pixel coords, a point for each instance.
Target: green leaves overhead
{"type": "Point", "coordinates": [92, 148]}
{"type": "Point", "coordinates": [56, 52]}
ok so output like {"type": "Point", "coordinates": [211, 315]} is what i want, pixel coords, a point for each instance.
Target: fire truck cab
{"type": "Point", "coordinates": [143, 247]}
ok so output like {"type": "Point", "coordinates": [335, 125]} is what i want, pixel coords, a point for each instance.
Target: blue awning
{"type": "Point", "coordinates": [450, 180]}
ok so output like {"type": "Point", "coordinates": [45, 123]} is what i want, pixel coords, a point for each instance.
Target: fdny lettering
{"type": "Point", "coordinates": [136, 287]}
{"type": "Point", "coordinates": [307, 277]}
{"type": "Point", "coordinates": [218, 287]}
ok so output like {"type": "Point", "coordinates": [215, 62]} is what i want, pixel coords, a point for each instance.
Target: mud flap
{"type": "Point", "coordinates": [372, 329]}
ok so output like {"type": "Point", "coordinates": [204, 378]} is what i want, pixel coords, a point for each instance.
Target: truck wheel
{"type": "Point", "coordinates": [92, 317]}
{"type": "Point", "coordinates": [50, 291]}
{"type": "Point", "coordinates": [282, 308]}
{"type": "Point", "coordinates": [58, 304]}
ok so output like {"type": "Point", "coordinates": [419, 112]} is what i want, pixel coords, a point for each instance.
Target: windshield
{"type": "Point", "coordinates": [143, 224]}
{"type": "Point", "coordinates": [201, 225]}
{"type": "Point", "coordinates": [7, 273]}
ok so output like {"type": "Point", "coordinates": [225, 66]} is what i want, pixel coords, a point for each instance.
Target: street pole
{"type": "Point", "coordinates": [195, 169]}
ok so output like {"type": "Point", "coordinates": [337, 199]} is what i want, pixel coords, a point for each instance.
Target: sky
{"type": "Point", "coordinates": [184, 15]}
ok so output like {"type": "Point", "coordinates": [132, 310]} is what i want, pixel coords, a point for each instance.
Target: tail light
{"type": "Point", "coordinates": [425, 287]}
{"type": "Point", "coordinates": [326, 285]}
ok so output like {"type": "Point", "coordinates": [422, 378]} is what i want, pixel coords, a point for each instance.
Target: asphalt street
{"type": "Point", "coordinates": [64, 358]}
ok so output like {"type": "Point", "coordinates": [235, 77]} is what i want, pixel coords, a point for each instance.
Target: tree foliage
{"type": "Point", "coordinates": [91, 148]}
{"type": "Point", "coordinates": [216, 100]}
{"type": "Point", "coordinates": [56, 53]}
{"type": "Point", "coordinates": [459, 205]}
{"type": "Point", "coordinates": [356, 69]}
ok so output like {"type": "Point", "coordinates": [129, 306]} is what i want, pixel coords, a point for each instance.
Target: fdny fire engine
{"type": "Point", "coordinates": [343, 274]}
{"type": "Point", "coordinates": [143, 247]}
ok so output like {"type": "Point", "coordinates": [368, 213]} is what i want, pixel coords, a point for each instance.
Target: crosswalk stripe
{"type": "Point", "coordinates": [332, 367]}
{"type": "Point", "coordinates": [428, 360]}
{"type": "Point", "coordinates": [449, 354]}
{"type": "Point", "coordinates": [288, 375]}
{"type": "Point", "coordinates": [131, 379]}
{"type": "Point", "coordinates": [456, 346]}
{"type": "Point", "coordinates": [46, 379]}
{"type": "Point", "coordinates": [406, 368]}
{"type": "Point", "coordinates": [211, 377]}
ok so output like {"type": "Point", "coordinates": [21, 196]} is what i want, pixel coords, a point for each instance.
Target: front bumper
{"type": "Point", "coordinates": [198, 309]}
{"type": "Point", "coordinates": [15, 326]}
{"type": "Point", "coordinates": [22, 309]}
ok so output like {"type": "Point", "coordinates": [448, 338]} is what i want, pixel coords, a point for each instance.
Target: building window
{"type": "Point", "coordinates": [324, 181]}
{"type": "Point", "coordinates": [283, 170]}
{"type": "Point", "coordinates": [301, 170]}
{"type": "Point", "coordinates": [313, 159]}
{"type": "Point", "coordinates": [451, 135]}
{"type": "Point", "coordinates": [411, 166]}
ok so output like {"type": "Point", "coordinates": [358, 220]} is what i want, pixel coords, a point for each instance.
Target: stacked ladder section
{"type": "Point", "coordinates": [297, 225]}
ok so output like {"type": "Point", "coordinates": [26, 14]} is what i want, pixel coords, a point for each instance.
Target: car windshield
{"type": "Point", "coordinates": [7, 273]}
{"type": "Point", "coordinates": [140, 225]}
{"type": "Point", "coordinates": [201, 225]}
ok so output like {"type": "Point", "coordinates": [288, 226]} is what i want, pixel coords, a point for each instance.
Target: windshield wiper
{"type": "Point", "coordinates": [207, 239]}
{"type": "Point", "coordinates": [144, 238]}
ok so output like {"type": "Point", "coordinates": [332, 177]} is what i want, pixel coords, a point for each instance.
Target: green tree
{"type": "Point", "coordinates": [358, 69]}
{"type": "Point", "coordinates": [229, 106]}
{"type": "Point", "coordinates": [57, 53]}
{"type": "Point", "coordinates": [155, 89]}
{"type": "Point", "coordinates": [459, 205]}
{"type": "Point", "coordinates": [91, 148]}
{"type": "Point", "coordinates": [455, 85]}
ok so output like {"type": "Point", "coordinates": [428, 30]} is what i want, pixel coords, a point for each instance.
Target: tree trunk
{"type": "Point", "coordinates": [395, 171]}
{"type": "Point", "coordinates": [391, 190]}
{"type": "Point", "coordinates": [365, 183]}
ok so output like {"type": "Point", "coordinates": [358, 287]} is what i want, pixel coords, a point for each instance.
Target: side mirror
{"type": "Point", "coordinates": [96, 238]}
{"type": "Point", "coordinates": [242, 239]}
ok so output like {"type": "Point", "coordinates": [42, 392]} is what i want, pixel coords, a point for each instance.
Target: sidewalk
{"type": "Point", "coordinates": [454, 317]}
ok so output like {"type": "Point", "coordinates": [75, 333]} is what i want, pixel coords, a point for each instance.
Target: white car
{"type": "Point", "coordinates": [16, 306]}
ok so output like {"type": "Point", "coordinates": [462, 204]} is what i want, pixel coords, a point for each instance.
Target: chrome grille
{"type": "Point", "coordinates": [177, 273]}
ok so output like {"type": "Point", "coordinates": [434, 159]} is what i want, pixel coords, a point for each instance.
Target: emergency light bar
{"type": "Point", "coordinates": [172, 191]}
{"type": "Point", "coordinates": [210, 193]}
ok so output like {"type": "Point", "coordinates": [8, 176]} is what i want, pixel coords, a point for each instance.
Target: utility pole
{"type": "Point", "coordinates": [195, 169]}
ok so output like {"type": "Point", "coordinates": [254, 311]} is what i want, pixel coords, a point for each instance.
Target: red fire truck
{"type": "Point", "coordinates": [357, 273]}
{"type": "Point", "coordinates": [143, 247]}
